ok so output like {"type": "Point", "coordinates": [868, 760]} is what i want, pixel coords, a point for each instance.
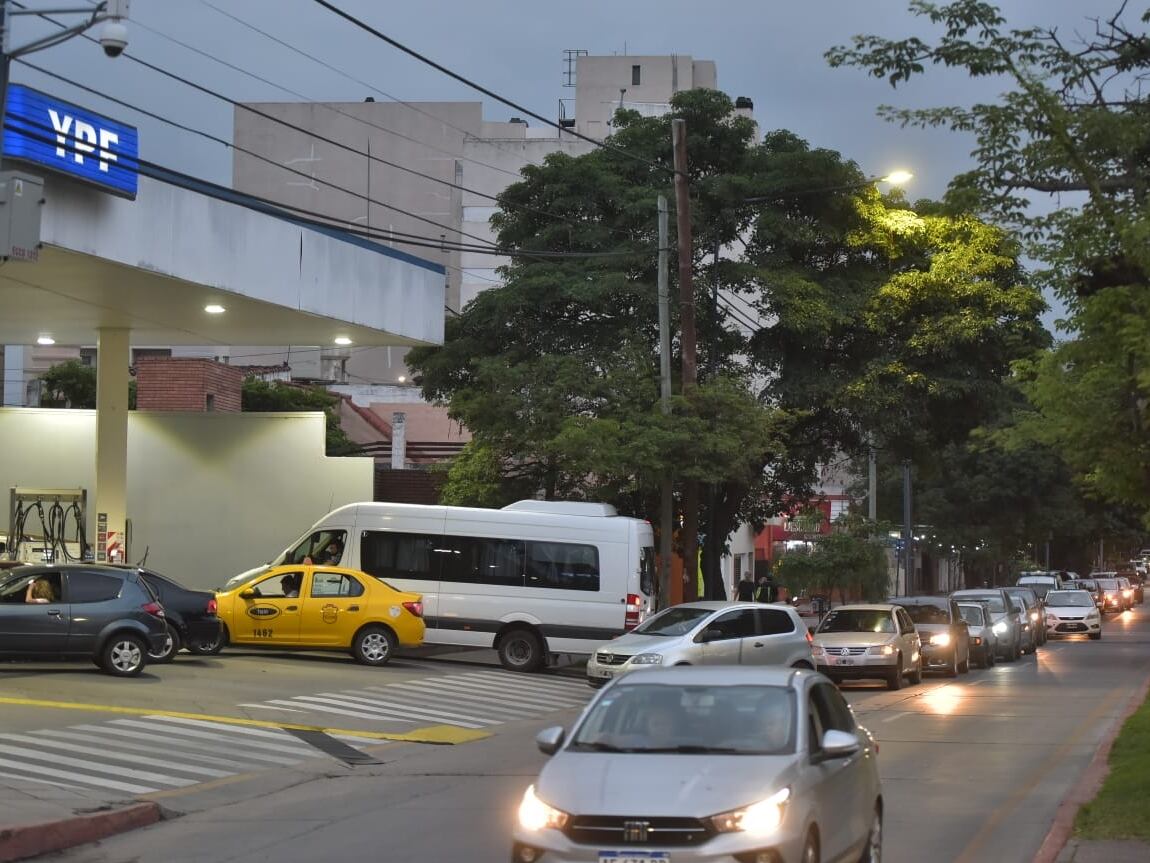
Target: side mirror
{"type": "Point", "coordinates": [247, 594]}
{"type": "Point", "coordinates": [550, 739]}
{"type": "Point", "coordinates": [839, 744]}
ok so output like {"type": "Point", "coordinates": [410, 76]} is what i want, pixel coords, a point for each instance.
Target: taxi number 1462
{"type": "Point", "coordinates": [262, 633]}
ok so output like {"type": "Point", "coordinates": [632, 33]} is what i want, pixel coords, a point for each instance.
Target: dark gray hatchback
{"type": "Point", "coordinates": [106, 614]}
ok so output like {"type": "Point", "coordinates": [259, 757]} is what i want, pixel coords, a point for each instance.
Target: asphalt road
{"type": "Point", "coordinates": [973, 769]}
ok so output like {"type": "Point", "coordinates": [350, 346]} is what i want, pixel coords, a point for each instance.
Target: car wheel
{"type": "Point", "coordinates": [811, 848]}
{"type": "Point", "coordinates": [373, 645]}
{"type": "Point", "coordinates": [964, 668]}
{"type": "Point", "coordinates": [521, 650]}
{"type": "Point", "coordinates": [916, 675]}
{"type": "Point", "coordinates": [872, 853]}
{"type": "Point", "coordinates": [124, 655]}
{"type": "Point", "coordinates": [894, 679]}
{"type": "Point", "coordinates": [172, 644]}
{"type": "Point", "coordinates": [1096, 636]}
{"type": "Point", "coordinates": [209, 648]}
{"type": "Point", "coordinates": [952, 668]}
{"type": "Point", "coordinates": [991, 659]}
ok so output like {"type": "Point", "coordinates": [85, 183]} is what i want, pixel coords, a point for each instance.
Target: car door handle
{"type": "Point", "coordinates": [759, 644]}
{"type": "Point", "coordinates": [292, 608]}
{"type": "Point", "coordinates": [353, 608]}
{"type": "Point", "coordinates": [54, 612]}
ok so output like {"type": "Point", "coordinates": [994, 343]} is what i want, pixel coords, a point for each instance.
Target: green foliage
{"type": "Point", "coordinates": [1109, 815]}
{"type": "Point", "coordinates": [69, 384]}
{"type": "Point", "coordinates": [275, 396]}
{"type": "Point", "coordinates": [477, 477]}
{"type": "Point", "coordinates": [842, 562]}
{"type": "Point", "coordinates": [1069, 122]}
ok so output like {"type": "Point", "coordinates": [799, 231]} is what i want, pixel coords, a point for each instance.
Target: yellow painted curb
{"type": "Point", "coordinates": [438, 734]}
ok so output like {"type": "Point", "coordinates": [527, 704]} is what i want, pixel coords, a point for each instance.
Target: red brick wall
{"type": "Point", "coordinates": [183, 384]}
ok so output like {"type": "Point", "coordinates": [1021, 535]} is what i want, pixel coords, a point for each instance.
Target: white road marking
{"type": "Point", "coordinates": [897, 716]}
{"type": "Point", "coordinates": [131, 758]}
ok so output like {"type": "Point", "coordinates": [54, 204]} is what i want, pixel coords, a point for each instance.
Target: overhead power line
{"type": "Point", "coordinates": [363, 25]}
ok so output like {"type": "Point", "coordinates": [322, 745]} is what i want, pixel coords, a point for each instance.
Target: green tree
{"type": "Point", "coordinates": [1070, 131]}
{"type": "Point", "coordinates": [847, 561]}
{"type": "Point", "coordinates": [69, 384]}
{"type": "Point", "coordinates": [259, 395]}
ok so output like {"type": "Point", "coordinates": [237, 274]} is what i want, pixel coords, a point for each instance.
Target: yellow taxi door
{"type": "Point", "coordinates": [334, 607]}
{"type": "Point", "coordinates": [271, 615]}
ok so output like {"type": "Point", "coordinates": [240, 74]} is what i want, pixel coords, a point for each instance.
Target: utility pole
{"type": "Point", "coordinates": [907, 528]}
{"type": "Point", "coordinates": [713, 587]}
{"type": "Point", "coordinates": [667, 501]}
{"type": "Point", "coordinates": [872, 486]}
{"type": "Point", "coordinates": [688, 344]}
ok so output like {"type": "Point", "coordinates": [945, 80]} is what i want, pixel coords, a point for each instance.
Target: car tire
{"type": "Point", "coordinates": [894, 679]}
{"type": "Point", "coordinates": [991, 658]}
{"type": "Point", "coordinates": [952, 668]}
{"type": "Point", "coordinates": [172, 645]}
{"type": "Point", "coordinates": [209, 648]}
{"type": "Point", "coordinates": [916, 675]}
{"type": "Point", "coordinates": [964, 668]}
{"type": "Point", "coordinates": [810, 848]}
{"type": "Point", "coordinates": [125, 654]}
{"type": "Point", "coordinates": [1096, 636]}
{"type": "Point", "coordinates": [374, 646]}
{"type": "Point", "coordinates": [872, 853]}
{"type": "Point", "coordinates": [521, 650]}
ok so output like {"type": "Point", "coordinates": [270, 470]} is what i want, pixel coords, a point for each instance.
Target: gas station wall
{"type": "Point", "coordinates": [209, 494]}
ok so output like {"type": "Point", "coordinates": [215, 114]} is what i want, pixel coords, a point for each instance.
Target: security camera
{"type": "Point", "coordinates": [114, 38]}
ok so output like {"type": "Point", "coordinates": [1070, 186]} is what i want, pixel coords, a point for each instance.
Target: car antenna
{"type": "Point", "coordinates": [144, 559]}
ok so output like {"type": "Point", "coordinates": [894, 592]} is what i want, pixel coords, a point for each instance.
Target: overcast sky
{"type": "Point", "coordinates": [770, 50]}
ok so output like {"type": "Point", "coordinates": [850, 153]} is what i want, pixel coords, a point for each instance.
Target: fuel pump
{"type": "Point", "coordinates": [47, 525]}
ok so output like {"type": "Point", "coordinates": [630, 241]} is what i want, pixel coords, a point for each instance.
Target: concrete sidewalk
{"type": "Point", "coordinates": [1125, 851]}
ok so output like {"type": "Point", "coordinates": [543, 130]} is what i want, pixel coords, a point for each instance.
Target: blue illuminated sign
{"type": "Point", "coordinates": [42, 130]}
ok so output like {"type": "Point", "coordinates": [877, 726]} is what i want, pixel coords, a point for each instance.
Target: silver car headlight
{"type": "Point", "coordinates": [881, 650]}
{"type": "Point", "coordinates": [940, 639]}
{"type": "Point", "coordinates": [1000, 627]}
{"type": "Point", "coordinates": [759, 819]}
{"type": "Point", "coordinates": [534, 814]}
{"type": "Point", "coordinates": [647, 659]}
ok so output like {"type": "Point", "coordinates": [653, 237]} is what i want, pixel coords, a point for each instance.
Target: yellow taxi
{"type": "Point", "coordinates": [322, 608]}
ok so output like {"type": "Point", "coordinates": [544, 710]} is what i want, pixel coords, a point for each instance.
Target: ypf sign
{"type": "Point", "coordinates": [42, 130]}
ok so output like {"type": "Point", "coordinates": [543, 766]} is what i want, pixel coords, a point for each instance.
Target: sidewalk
{"type": "Point", "coordinates": [1126, 851]}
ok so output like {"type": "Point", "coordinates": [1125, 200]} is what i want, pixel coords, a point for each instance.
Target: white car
{"type": "Point", "coordinates": [707, 633]}
{"type": "Point", "coordinates": [856, 642]}
{"type": "Point", "coordinates": [706, 765]}
{"type": "Point", "coordinates": [1071, 612]}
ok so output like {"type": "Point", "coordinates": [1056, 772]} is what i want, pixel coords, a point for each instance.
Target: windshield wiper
{"type": "Point", "coordinates": [692, 749]}
{"type": "Point", "coordinates": [597, 746]}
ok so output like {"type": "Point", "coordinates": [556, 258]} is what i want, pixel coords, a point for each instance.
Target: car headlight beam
{"type": "Point", "coordinates": [881, 650]}
{"type": "Point", "coordinates": [940, 639]}
{"type": "Point", "coordinates": [760, 819]}
{"type": "Point", "coordinates": [534, 814]}
{"type": "Point", "coordinates": [999, 628]}
{"type": "Point", "coordinates": [647, 659]}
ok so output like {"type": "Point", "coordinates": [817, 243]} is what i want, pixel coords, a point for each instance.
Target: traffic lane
{"type": "Point", "coordinates": [235, 683]}
{"type": "Point", "coordinates": [975, 768]}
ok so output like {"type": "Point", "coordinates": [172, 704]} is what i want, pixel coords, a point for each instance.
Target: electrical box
{"type": "Point", "coordinates": [21, 199]}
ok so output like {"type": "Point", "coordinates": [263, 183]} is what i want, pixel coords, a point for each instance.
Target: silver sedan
{"type": "Point", "coordinates": [706, 764]}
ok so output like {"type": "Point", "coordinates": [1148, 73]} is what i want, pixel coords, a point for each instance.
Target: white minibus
{"type": "Point", "coordinates": [531, 580]}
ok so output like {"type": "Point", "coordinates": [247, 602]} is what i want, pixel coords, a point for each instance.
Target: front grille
{"type": "Point", "coordinates": [851, 651]}
{"type": "Point", "coordinates": [606, 831]}
{"type": "Point", "coordinates": [611, 658]}
{"type": "Point", "coordinates": [1071, 627]}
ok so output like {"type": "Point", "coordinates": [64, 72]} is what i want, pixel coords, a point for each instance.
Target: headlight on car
{"type": "Point", "coordinates": [647, 659]}
{"type": "Point", "coordinates": [1034, 616]}
{"type": "Point", "coordinates": [999, 628]}
{"type": "Point", "coordinates": [881, 650]}
{"type": "Point", "coordinates": [1051, 620]}
{"type": "Point", "coordinates": [940, 639]}
{"type": "Point", "coordinates": [759, 819]}
{"type": "Point", "coordinates": [534, 814]}
{"type": "Point", "coordinates": [818, 650]}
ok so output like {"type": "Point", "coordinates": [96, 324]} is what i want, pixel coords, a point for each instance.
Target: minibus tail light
{"type": "Point", "coordinates": [634, 609]}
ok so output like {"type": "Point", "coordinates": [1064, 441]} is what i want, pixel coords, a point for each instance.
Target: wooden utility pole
{"type": "Point", "coordinates": [667, 491]}
{"type": "Point", "coordinates": [688, 345]}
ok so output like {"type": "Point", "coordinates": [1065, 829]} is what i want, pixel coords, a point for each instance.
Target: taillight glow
{"type": "Point", "coordinates": [415, 608]}
{"type": "Point", "coordinates": [153, 608]}
{"type": "Point", "coordinates": [634, 609]}
{"type": "Point", "coordinates": [213, 607]}
{"type": "Point", "coordinates": [810, 637]}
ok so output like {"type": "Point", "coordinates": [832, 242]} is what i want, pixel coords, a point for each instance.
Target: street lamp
{"type": "Point", "coordinates": [113, 38]}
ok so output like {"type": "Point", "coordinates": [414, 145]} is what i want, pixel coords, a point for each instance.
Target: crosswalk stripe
{"type": "Point", "coordinates": [212, 735]}
{"type": "Point", "coordinates": [455, 698]}
{"type": "Point", "coordinates": [6, 775]}
{"type": "Point", "coordinates": [519, 683]}
{"type": "Point", "coordinates": [97, 781]}
{"type": "Point", "coordinates": [384, 709]}
{"type": "Point", "coordinates": [522, 705]}
{"type": "Point", "coordinates": [133, 758]}
{"type": "Point", "coordinates": [359, 714]}
{"type": "Point", "coordinates": [531, 681]}
{"type": "Point", "coordinates": [484, 697]}
{"type": "Point", "coordinates": [263, 733]}
{"type": "Point", "coordinates": [524, 699]}
{"type": "Point", "coordinates": [96, 767]}
{"type": "Point", "coordinates": [432, 711]}
{"type": "Point", "coordinates": [175, 748]}
{"type": "Point", "coordinates": [141, 736]}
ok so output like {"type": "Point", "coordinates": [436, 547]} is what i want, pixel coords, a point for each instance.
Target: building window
{"type": "Point", "coordinates": [209, 402]}
{"type": "Point", "coordinates": [635, 75]}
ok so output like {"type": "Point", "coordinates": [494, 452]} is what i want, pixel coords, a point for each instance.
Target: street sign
{"type": "Point", "coordinates": [45, 131]}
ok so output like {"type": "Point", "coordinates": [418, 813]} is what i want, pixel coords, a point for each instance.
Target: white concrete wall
{"type": "Point", "coordinates": [209, 494]}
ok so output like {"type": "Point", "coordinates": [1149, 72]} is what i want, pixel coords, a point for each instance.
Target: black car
{"type": "Point", "coordinates": [190, 615]}
{"type": "Point", "coordinates": [945, 634]}
{"type": "Point", "coordinates": [103, 613]}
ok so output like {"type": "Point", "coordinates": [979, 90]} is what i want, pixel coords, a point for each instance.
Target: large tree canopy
{"type": "Point", "coordinates": [1069, 132]}
{"type": "Point", "coordinates": [842, 316]}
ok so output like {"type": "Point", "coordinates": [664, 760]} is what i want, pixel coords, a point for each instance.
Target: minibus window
{"type": "Point", "coordinates": [400, 555]}
{"type": "Point", "coordinates": [647, 571]}
{"type": "Point", "coordinates": [317, 548]}
{"type": "Point", "coordinates": [562, 565]}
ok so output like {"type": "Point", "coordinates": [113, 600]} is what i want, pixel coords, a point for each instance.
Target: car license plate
{"type": "Point", "coordinates": [634, 857]}
{"type": "Point", "coordinates": [601, 672]}
{"type": "Point", "coordinates": [846, 660]}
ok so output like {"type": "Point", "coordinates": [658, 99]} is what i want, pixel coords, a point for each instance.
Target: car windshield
{"type": "Point", "coordinates": [1108, 583]}
{"type": "Point", "coordinates": [678, 620]}
{"type": "Point", "coordinates": [993, 599]}
{"type": "Point", "coordinates": [690, 720]}
{"type": "Point", "coordinates": [1077, 598]}
{"type": "Point", "coordinates": [972, 614]}
{"type": "Point", "coordinates": [1040, 588]}
{"type": "Point", "coordinates": [927, 614]}
{"type": "Point", "coordinates": [857, 620]}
